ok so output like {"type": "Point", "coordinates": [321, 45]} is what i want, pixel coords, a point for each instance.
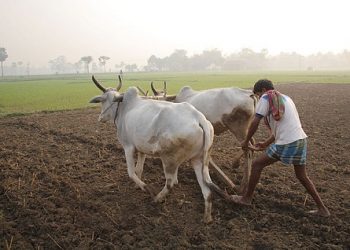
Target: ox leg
{"type": "Point", "coordinates": [139, 164]}
{"type": "Point", "coordinates": [207, 195]}
{"type": "Point", "coordinates": [176, 181]}
{"type": "Point", "coordinates": [170, 172]}
{"type": "Point", "coordinates": [130, 162]}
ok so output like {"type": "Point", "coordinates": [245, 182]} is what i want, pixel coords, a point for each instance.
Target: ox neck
{"type": "Point", "coordinates": [116, 114]}
{"type": "Point", "coordinates": [111, 108]}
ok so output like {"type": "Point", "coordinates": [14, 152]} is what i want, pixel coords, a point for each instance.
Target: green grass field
{"type": "Point", "coordinates": [19, 95]}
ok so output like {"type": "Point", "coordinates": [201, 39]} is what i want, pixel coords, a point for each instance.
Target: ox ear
{"type": "Point", "coordinates": [118, 98]}
{"type": "Point", "coordinates": [97, 99]}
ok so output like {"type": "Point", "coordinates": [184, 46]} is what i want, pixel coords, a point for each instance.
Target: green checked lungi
{"type": "Point", "coordinates": [292, 153]}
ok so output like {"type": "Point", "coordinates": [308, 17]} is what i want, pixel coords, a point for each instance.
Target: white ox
{"type": "Point", "coordinates": [227, 109]}
{"type": "Point", "coordinates": [174, 132]}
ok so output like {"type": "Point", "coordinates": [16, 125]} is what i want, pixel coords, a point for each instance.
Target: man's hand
{"type": "Point", "coordinates": [251, 131]}
{"type": "Point", "coordinates": [260, 146]}
{"type": "Point", "coordinates": [256, 147]}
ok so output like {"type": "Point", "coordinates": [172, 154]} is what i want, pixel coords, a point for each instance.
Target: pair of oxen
{"type": "Point", "coordinates": [177, 128]}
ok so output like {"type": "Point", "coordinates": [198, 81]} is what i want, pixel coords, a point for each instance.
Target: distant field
{"type": "Point", "coordinates": [20, 95]}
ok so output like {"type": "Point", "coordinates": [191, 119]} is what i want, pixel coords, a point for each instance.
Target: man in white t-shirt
{"type": "Point", "coordinates": [287, 142]}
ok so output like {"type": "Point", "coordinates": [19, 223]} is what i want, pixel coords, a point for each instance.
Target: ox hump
{"type": "Point", "coordinates": [184, 93]}
{"type": "Point", "coordinates": [130, 94]}
{"type": "Point", "coordinates": [185, 89]}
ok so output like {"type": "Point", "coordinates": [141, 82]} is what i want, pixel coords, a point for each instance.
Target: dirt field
{"type": "Point", "coordinates": [64, 185]}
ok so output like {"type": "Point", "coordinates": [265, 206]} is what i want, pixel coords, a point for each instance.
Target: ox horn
{"type": "Point", "coordinates": [142, 91]}
{"type": "Point", "coordinates": [120, 83]}
{"type": "Point", "coordinates": [155, 92]}
{"type": "Point", "coordinates": [98, 85]}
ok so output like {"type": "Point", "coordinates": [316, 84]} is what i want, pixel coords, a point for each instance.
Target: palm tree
{"type": "Point", "coordinates": [103, 60]}
{"type": "Point", "coordinates": [3, 57]}
{"type": "Point", "coordinates": [87, 60]}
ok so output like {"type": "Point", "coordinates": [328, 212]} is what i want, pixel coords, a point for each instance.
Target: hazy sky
{"type": "Point", "coordinates": [37, 31]}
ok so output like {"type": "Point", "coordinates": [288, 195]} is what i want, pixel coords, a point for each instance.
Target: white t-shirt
{"type": "Point", "coordinates": [288, 129]}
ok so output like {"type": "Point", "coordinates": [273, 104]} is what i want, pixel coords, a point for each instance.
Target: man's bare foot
{"type": "Point", "coordinates": [240, 200]}
{"type": "Point", "coordinates": [321, 212]}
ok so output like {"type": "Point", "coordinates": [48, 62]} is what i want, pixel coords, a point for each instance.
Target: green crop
{"type": "Point", "coordinates": [20, 95]}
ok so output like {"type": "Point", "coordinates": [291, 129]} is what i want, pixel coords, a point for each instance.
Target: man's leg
{"type": "Point", "coordinates": [258, 165]}
{"type": "Point", "coordinates": [300, 172]}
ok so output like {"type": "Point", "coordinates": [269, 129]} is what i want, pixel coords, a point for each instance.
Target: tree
{"type": "Point", "coordinates": [120, 66]}
{"type": "Point", "coordinates": [209, 59]}
{"type": "Point", "coordinates": [177, 61]}
{"type": "Point", "coordinates": [103, 60]}
{"type": "Point", "coordinates": [131, 67]}
{"type": "Point", "coordinates": [246, 59]}
{"type": "Point", "coordinates": [58, 65]}
{"type": "Point", "coordinates": [87, 60]}
{"type": "Point", "coordinates": [77, 66]}
{"type": "Point", "coordinates": [3, 57]}
{"type": "Point", "coordinates": [154, 63]}
{"type": "Point", "coordinates": [94, 67]}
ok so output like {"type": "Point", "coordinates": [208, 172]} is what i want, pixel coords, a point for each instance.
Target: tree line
{"type": "Point", "coordinates": [247, 59]}
{"type": "Point", "coordinates": [86, 64]}
{"type": "Point", "coordinates": [207, 60]}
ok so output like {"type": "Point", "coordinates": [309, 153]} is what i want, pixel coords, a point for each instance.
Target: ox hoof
{"type": "Point", "coordinates": [240, 201]}
{"type": "Point", "coordinates": [207, 219]}
{"type": "Point", "coordinates": [158, 199]}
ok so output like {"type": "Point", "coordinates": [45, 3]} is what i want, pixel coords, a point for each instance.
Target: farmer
{"type": "Point", "coordinates": [287, 142]}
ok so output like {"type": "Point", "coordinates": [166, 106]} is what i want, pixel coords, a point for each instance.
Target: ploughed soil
{"type": "Point", "coordinates": [64, 185]}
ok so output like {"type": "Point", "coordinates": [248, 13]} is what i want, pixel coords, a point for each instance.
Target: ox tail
{"type": "Point", "coordinates": [208, 138]}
